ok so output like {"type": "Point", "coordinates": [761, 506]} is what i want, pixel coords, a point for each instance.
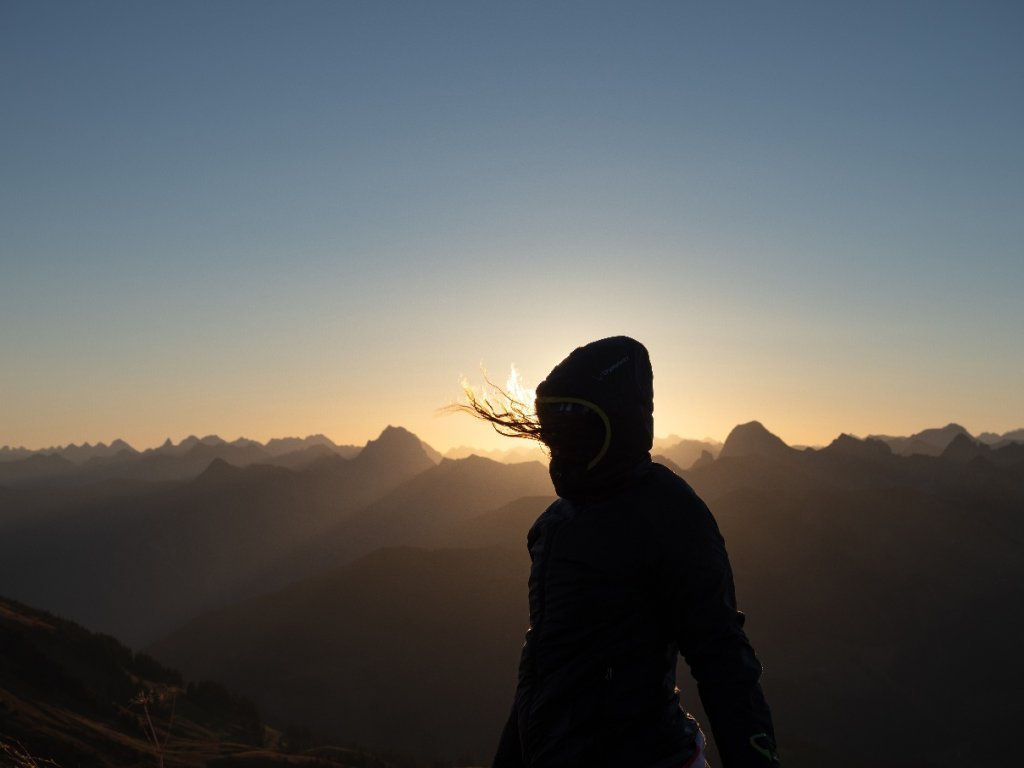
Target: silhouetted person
{"type": "Point", "coordinates": [629, 569]}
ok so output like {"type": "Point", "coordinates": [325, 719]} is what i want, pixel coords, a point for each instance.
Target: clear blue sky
{"type": "Point", "coordinates": [261, 219]}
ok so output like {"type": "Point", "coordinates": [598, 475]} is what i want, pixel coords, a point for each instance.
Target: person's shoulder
{"type": "Point", "coordinates": [677, 506]}
{"type": "Point", "coordinates": [664, 483]}
{"type": "Point", "coordinates": [556, 510]}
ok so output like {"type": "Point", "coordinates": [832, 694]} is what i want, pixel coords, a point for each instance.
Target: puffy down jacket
{"type": "Point", "coordinates": [628, 570]}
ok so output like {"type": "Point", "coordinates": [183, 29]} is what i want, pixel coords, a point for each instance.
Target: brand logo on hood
{"type": "Point", "coordinates": [601, 376]}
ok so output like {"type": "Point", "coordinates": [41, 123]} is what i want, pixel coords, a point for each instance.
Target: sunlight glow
{"type": "Point", "coordinates": [515, 387]}
{"type": "Point", "coordinates": [515, 395]}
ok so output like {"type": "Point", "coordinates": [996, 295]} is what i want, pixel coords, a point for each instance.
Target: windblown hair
{"type": "Point", "coordinates": [507, 415]}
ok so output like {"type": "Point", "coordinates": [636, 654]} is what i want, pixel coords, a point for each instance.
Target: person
{"type": "Point", "coordinates": [628, 570]}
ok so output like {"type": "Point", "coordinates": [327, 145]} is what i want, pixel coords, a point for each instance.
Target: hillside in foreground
{"type": "Point", "coordinates": [75, 699]}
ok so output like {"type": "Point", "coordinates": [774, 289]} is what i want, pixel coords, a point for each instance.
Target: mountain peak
{"type": "Point", "coordinates": [753, 438]}
{"type": "Point", "coordinates": [219, 471]}
{"type": "Point", "coordinates": [848, 445]}
{"type": "Point", "coordinates": [393, 436]}
{"type": "Point", "coordinates": [963, 448]}
{"type": "Point", "coordinates": [395, 445]}
{"type": "Point", "coordinates": [932, 442]}
{"type": "Point", "coordinates": [400, 436]}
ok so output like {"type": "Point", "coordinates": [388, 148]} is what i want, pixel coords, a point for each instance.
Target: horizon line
{"type": "Point", "coordinates": [192, 435]}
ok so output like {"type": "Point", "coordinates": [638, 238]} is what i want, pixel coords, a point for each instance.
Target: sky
{"type": "Point", "coordinates": [283, 218]}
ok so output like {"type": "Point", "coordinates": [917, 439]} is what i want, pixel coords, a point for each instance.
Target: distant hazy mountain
{"type": "Point", "coordinates": [395, 444]}
{"type": "Point", "coordinates": [81, 465]}
{"type": "Point", "coordinates": [81, 453]}
{"type": "Point", "coordinates": [524, 450]}
{"type": "Point", "coordinates": [1014, 436]}
{"type": "Point", "coordinates": [188, 463]}
{"type": "Point", "coordinates": [280, 446]}
{"type": "Point", "coordinates": [34, 468]}
{"type": "Point", "coordinates": [137, 560]}
{"type": "Point", "coordinates": [7, 453]}
{"type": "Point", "coordinates": [505, 526]}
{"type": "Point", "coordinates": [418, 511]}
{"type": "Point", "coordinates": [679, 451]}
{"type": "Point", "coordinates": [753, 438]}
{"type": "Point", "coordinates": [663, 443]}
{"type": "Point", "coordinates": [928, 442]}
{"type": "Point", "coordinates": [433, 455]}
{"type": "Point", "coordinates": [89, 463]}
{"type": "Point", "coordinates": [932, 442]}
{"type": "Point", "coordinates": [964, 448]}
{"type": "Point", "coordinates": [304, 457]}
{"type": "Point", "coordinates": [73, 453]}
{"type": "Point", "coordinates": [685, 453]}
{"type": "Point", "coordinates": [186, 445]}
{"type": "Point", "coordinates": [847, 445]}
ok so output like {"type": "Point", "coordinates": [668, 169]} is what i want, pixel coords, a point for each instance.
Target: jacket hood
{"type": "Point", "coordinates": [596, 411]}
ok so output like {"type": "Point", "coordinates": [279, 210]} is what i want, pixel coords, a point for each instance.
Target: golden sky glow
{"type": "Point", "coordinates": [321, 222]}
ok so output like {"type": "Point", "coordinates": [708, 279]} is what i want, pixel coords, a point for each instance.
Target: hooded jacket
{"type": "Point", "coordinates": [628, 570]}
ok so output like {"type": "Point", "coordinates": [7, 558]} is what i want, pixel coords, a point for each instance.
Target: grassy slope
{"type": "Point", "coordinates": [71, 698]}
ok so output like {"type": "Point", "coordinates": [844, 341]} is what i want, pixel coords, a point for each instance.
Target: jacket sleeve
{"type": "Point", "coordinates": [709, 632]}
{"type": "Point", "coordinates": [509, 753]}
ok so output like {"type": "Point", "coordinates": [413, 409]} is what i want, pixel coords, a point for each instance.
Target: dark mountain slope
{"type": "Point", "coordinates": [892, 604]}
{"type": "Point", "coordinates": [962, 448]}
{"type": "Point", "coordinates": [83, 700]}
{"type": "Point", "coordinates": [881, 592]}
{"type": "Point", "coordinates": [927, 442]}
{"type": "Point", "coordinates": [35, 468]}
{"type": "Point", "coordinates": [419, 511]}
{"type": "Point", "coordinates": [453, 491]}
{"type": "Point", "coordinates": [138, 564]}
{"type": "Point", "coordinates": [407, 649]}
{"type": "Point", "coordinates": [67, 695]}
{"type": "Point", "coordinates": [503, 527]}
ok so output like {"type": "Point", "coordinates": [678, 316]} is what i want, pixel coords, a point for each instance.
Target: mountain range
{"type": "Point", "coordinates": [135, 559]}
{"type": "Point", "coordinates": [88, 463]}
{"type": "Point", "coordinates": [382, 598]}
{"type": "Point", "coordinates": [80, 465]}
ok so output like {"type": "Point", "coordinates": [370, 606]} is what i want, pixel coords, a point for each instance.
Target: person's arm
{"type": "Point", "coordinates": [709, 631]}
{"type": "Point", "coordinates": [510, 750]}
{"type": "Point", "coordinates": [509, 754]}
